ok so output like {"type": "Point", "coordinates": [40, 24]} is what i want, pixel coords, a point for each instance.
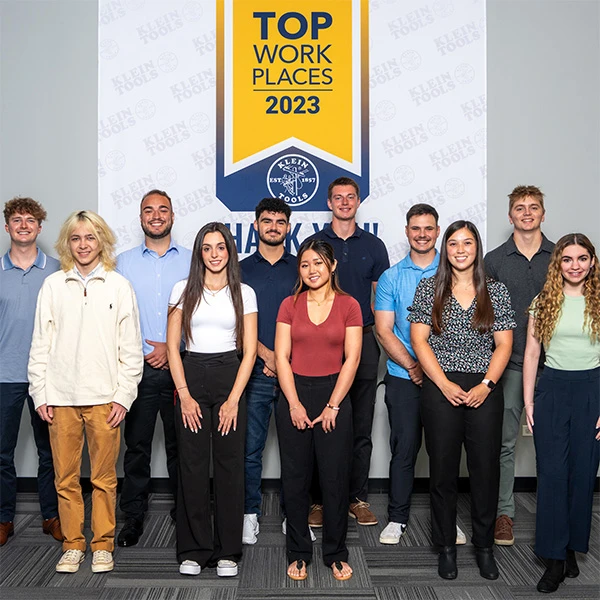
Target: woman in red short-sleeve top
{"type": "Point", "coordinates": [317, 351]}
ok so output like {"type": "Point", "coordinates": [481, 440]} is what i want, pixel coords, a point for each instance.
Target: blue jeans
{"type": "Point", "coordinates": [12, 398]}
{"type": "Point", "coordinates": [261, 393]}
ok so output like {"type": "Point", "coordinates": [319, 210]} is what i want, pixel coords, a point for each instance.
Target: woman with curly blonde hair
{"type": "Point", "coordinates": [564, 419]}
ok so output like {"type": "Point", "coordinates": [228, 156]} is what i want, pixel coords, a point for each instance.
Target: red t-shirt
{"type": "Point", "coordinates": [318, 350]}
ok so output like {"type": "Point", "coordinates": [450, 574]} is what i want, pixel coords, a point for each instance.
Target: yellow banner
{"type": "Point", "coordinates": [292, 66]}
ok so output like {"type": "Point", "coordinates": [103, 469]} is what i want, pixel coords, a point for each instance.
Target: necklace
{"type": "Point", "coordinates": [322, 301]}
{"type": "Point", "coordinates": [213, 293]}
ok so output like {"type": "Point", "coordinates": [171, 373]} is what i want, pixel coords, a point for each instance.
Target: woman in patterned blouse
{"type": "Point", "coordinates": [461, 332]}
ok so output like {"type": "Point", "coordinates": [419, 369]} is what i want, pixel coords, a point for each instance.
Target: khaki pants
{"type": "Point", "coordinates": [67, 431]}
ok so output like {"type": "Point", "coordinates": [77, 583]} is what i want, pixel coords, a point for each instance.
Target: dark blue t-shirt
{"type": "Point", "coordinates": [272, 284]}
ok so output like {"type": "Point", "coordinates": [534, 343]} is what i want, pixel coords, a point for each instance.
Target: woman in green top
{"type": "Point", "coordinates": [564, 419]}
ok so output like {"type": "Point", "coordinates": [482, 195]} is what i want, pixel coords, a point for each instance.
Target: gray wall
{"type": "Point", "coordinates": [543, 129]}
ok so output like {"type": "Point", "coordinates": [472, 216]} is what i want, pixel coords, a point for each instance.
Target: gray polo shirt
{"type": "Point", "coordinates": [524, 279]}
{"type": "Point", "coordinates": [18, 297]}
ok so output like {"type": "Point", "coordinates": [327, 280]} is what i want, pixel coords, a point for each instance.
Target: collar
{"type": "Point", "coordinates": [329, 232]}
{"type": "Point", "coordinates": [545, 246]}
{"type": "Point", "coordinates": [407, 261]}
{"type": "Point", "coordinates": [286, 257]}
{"type": "Point", "coordinates": [39, 262]}
{"type": "Point", "coordinates": [172, 246]}
{"type": "Point", "coordinates": [98, 272]}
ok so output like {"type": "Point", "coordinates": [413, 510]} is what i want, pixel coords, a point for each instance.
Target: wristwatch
{"type": "Point", "coordinates": [490, 384]}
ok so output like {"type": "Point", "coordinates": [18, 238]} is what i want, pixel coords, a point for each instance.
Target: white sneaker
{"type": "Point", "coordinates": [102, 561]}
{"type": "Point", "coordinates": [392, 533]}
{"type": "Point", "coordinates": [313, 537]}
{"type": "Point", "coordinates": [189, 567]}
{"type": "Point", "coordinates": [227, 568]}
{"type": "Point", "coordinates": [251, 529]}
{"type": "Point", "coordinates": [70, 560]}
{"type": "Point", "coordinates": [461, 538]}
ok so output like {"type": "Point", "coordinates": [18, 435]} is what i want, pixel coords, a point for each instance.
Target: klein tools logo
{"type": "Point", "coordinates": [294, 179]}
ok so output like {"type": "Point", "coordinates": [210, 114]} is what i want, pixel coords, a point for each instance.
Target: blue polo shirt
{"type": "Point", "coordinates": [18, 297]}
{"type": "Point", "coordinates": [362, 259]}
{"type": "Point", "coordinates": [153, 277]}
{"type": "Point", "coordinates": [395, 292]}
{"type": "Point", "coordinates": [272, 284]}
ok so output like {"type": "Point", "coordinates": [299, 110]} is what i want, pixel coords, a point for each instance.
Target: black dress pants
{"type": "Point", "coordinates": [210, 378]}
{"type": "Point", "coordinates": [299, 450]}
{"type": "Point", "coordinates": [447, 428]}
{"type": "Point", "coordinates": [155, 395]}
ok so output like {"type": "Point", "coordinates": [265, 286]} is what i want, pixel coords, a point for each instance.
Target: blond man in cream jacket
{"type": "Point", "coordinates": [84, 367]}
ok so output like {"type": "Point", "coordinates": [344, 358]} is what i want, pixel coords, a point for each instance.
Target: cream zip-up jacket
{"type": "Point", "coordinates": [86, 348]}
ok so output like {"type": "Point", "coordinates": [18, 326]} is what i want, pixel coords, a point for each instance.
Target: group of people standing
{"type": "Point", "coordinates": [214, 345]}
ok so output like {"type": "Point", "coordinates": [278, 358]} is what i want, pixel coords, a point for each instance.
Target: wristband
{"type": "Point", "coordinates": [182, 387]}
{"type": "Point", "coordinates": [332, 407]}
{"type": "Point", "coordinates": [293, 409]}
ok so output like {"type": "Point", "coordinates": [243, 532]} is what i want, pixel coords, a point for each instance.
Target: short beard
{"type": "Point", "coordinates": [272, 243]}
{"type": "Point", "coordinates": [157, 236]}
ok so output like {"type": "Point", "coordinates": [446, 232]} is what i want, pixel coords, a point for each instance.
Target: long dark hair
{"type": "Point", "coordinates": [325, 251]}
{"type": "Point", "coordinates": [483, 319]}
{"type": "Point", "coordinates": [194, 289]}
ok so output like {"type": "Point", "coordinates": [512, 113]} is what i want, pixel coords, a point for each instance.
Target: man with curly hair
{"type": "Point", "coordinates": [521, 263]}
{"type": "Point", "coordinates": [24, 268]}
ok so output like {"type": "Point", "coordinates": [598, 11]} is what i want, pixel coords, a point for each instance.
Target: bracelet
{"type": "Point", "coordinates": [332, 407]}
{"type": "Point", "coordinates": [182, 387]}
{"type": "Point", "coordinates": [295, 407]}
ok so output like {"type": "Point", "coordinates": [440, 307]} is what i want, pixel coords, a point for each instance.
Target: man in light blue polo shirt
{"type": "Point", "coordinates": [395, 293]}
{"type": "Point", "coordinates": [152, 268]}
{"type": "Point", "coordinates": [23, 270]}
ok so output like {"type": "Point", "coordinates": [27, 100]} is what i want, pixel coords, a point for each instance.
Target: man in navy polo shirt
{"type": "Point", "coordinates": [361, 260]}
{"type": "Point", "coordinates": [23, 270]}
{"type": "Point", "coordinates": [272, 273]}
{"type": "Point", "coordinates": [152, 268]}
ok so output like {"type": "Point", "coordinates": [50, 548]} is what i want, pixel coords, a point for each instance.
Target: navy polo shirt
{"type": "Point", "coordinates": [19, 291]}
{"type": "Point", "coordinates": [272, 284]}
{"type": "Point", "coordinates": [362, 259]}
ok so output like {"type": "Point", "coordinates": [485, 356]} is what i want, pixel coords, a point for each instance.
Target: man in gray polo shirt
{"type": "Point", "coordinates": [22, 272]}
{"type": "Point", "coordinates": [521, 263]}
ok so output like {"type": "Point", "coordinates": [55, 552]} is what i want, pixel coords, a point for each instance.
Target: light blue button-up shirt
{"type": "Point", "coordinates": [19, 290]}
{"type": "Point", "coordinates": [395, 292]}
{"type": "Point", "coordinates": [153, 277]}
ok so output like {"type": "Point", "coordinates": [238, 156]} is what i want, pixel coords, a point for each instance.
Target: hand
{"type": "Point", "coordinates": [299, 417]}
{"type": "Point", "coordinates": [158, 357]}
{"type": "Point", "coordinates": [598, 428]}
{"type": "Point", "coordinates": [46, 413]}
{"type": "Point", "coordinates": [228, 416]}
{"type": "Point", "coordinates": [454, 393]}
{"type": "Point", "coordinates": [116, 415]}
{"type": "Point", "coordinates": [477, 395]}
{"type": "Point", "coordinates": [190, 412]}
{"type": "Point", "coordinates": [268, 372]}
{"type": "Point", "coordinates": [270, 369]}
{"type": "Point", "coordinates": [327, 419]}
{"type": "Point", "coordinates": [416, 374]}
{"type": "Point", "coordinates": [529, 417]}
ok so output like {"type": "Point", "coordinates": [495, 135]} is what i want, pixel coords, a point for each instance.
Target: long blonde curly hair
{"type": "Point", "coordinates": [547, 306]}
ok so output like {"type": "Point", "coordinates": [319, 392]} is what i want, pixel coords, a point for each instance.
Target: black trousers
{"type": "Point", "coordinates": [299, 451]}
{"type": "Point", "coordinates": [567, 455]}
{"type": "Point", "coordinates": [447, 428]}
{"type": "Point", "coordinates": [155, 395]}
{"type": "Point", "coordinates": [210, 378]}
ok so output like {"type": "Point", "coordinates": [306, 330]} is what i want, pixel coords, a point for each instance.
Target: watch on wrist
{"type": "Point", "coordinates": [490, 384]}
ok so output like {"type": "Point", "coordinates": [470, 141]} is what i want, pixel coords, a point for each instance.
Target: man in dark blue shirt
{"type": "Point", "coordinates": [272, 273]}
{"type": "Point", "coordinates": [361, 260]}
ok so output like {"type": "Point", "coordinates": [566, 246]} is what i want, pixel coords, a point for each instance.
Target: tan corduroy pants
{"type": "Point", "coordinates": [70, 426]}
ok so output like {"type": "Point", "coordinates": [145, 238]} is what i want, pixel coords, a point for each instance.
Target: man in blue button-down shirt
{"type": "Point", "coordinates": [152, 268]}
{"type": "Point", "coordinates": [395, 293]}
{"type": "Point", "coordinates": [23, 270]}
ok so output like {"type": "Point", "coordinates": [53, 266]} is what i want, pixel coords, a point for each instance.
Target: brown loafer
{"type": "Point", "coordinates": [6, 530]}
{"type": "Point", "coordinates": [52, 527]}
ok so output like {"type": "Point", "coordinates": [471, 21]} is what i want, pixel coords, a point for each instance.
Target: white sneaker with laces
{"type": "Point", "coordinates": [251, 529]}
{"type": "Point", "coordinates": [392, 533]}
{"type": "Point", "coordinates": [313, 537]}
{"type": "Point", "coordinates": [461, 538]}
{"type": "Point", "coordinates": [70, 560]}
{"type": "Point", "coordinates": [189, 567]}
{"type": "Point", "coordinates": [227, 568]}
{"type": "Point", "coordinates": [102, 561]}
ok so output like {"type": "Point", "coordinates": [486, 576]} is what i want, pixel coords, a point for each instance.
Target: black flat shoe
{"type": "Point", "coordinates": [486, 563]}
{"type": "Point", "coordinates": [552, 577]}
{"type": "Point", "coordinates": [131, 532]}
{"type": "Point", "coordinates": [571, 568]}
{"type": "Point", "coordinates": [447, 563]}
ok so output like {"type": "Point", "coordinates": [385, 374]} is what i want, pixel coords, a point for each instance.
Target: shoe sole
{"type": "Point", "coordinates": [504, 542]}
{"type": "Point", "coordinates": [351, 514]}
{"type": "Point", "coordinates": [227, 571]}
{"type": "Point", "coordinates": [315, 525]}
{"type": "Point", "coordinates": [249, 541]}
{"type": "Point", "coordinates": [460, 542]}
{"type": "Point", "coordinates": [69, 568]}
{"type": "Point", "coordinates": [390, 541]}
{"type": "Point", "coordinates": [189, 570]}
{"type": "Point", "coordinates": [104, 568]}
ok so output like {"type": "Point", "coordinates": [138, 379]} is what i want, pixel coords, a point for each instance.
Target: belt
{"type": "Point", "coordinates": [367, 329]}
